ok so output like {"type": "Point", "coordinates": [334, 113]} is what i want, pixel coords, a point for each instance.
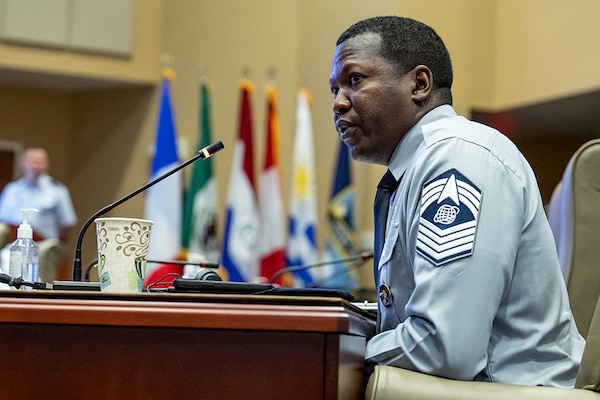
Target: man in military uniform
{"type": "Point", "coordinates": [469, 281]}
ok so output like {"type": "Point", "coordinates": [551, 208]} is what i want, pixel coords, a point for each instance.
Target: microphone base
{"type": "Point", "coordinates": [76, 285]}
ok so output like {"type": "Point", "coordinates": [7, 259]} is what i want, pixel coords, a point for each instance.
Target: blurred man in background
{"type": "Point", "coordinates": [53, 222]}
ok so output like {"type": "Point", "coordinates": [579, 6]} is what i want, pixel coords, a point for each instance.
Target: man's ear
{"type": "Point", "coordinates": [423, 83]}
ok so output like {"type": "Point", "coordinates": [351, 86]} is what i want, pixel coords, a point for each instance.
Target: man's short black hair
{"type": "Point", "coordinates": [407, 43]}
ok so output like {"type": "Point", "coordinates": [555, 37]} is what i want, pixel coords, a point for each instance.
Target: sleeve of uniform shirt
{"type": "Point", "coordinates": [450, 313]}
{"type": "Point", "coordinates": [66, 212]}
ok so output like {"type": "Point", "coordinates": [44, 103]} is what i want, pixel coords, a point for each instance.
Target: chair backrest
{"type": "Point", "coordinates": [574, 216]}
{"type": "Point", "coordinates": [4, 233]}
{"type": "Point", "coordinates": [588, 376]}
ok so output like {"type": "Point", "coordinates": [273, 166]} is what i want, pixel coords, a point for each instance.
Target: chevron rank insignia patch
{"type": "Point", "coordinates": [448, 220]}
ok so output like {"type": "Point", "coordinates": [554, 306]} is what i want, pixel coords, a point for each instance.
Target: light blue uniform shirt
{"type": "Point", "coordinates": [470, 262]}
{"type": "Point", "coordinates": [52, 199]}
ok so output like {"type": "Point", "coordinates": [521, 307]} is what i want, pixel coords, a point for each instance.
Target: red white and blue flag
{"type": "Point", "coordinates": [241, 251]}
{"type": "Point", "coordinates": [164, 200]}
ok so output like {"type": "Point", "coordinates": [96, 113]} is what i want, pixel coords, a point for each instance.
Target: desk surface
{"type": "Point", "coordinates": [229, 346]}
{"type": "Point", "coordinates": [321, 314]}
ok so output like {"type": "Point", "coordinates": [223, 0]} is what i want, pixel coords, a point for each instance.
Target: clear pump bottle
{"type": "Point", "coordinates": [24, 252]}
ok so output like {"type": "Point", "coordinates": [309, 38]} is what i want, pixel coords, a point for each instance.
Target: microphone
{"type": "Point", "coordinates": [361, 257]}
{"type": "Point", "coordinates": [204, 153]}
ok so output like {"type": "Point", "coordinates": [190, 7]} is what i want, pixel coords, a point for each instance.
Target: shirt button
{"type": "Point", "coordinates": [385, 294]}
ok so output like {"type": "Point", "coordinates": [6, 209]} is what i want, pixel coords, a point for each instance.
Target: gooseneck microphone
{"type": "Point", "coordinates": [361, 258]}
{"type": "Point", "coordinates": [204, 153]}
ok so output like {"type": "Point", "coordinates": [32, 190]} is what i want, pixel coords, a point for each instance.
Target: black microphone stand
{"type": "Point", "coordinates": [204, 153]}
{"type": "Point", "coordinates": [358, 257]}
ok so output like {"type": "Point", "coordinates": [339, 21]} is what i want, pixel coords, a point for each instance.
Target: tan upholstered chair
{"type": "Point", "coordinates": [390, 383]}
{"type": "Point", "coordinates": [4, 233]}
{"type": "Point", "coordinates": [574, 216]}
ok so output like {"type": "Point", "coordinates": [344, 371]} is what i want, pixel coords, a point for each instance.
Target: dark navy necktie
{"type": "Point", "coordinates": [386, 187]}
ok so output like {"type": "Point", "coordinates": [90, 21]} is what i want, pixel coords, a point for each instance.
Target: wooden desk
{"type": "Point", "coordinates": [164, 346]}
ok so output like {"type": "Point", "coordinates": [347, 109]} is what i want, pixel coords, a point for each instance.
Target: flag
{"type": "Point", "coordinates": [302, 246]}
{"type": "Point", "coordinates": [163, 200]}
{"type": "Point", "coordinates": [199, 233]}
{"type": "Point", "coordinates": [271, 207]}
{"type": "Point", "coordinates": [240, 256]}
{"type": "Point", "coordinates": [341, 237]}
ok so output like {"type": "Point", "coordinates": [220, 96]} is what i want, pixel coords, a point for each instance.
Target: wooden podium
{"type": "Point", "coordinates": [82, 345]}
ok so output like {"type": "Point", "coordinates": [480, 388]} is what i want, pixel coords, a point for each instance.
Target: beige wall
{"type": "Point", "coordinates": [511, 53]}
{"type": "Point", "coordinates": [546, 49]}
{"type": "Point", "coordinates": [38, 117]}
{"type": "Point", "coordinates": [505, 53]}
{"type": "Point", "coordinates": [140, 68]}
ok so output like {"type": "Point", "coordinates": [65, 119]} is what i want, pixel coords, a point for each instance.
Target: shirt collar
{"type": "Point", "coordinates": [40, 180]}
{"type": "Point", "coordinates": [413, 139]}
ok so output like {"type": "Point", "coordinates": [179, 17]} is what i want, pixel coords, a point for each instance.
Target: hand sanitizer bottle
{"type": "Point", "coordinates": [24, 252]}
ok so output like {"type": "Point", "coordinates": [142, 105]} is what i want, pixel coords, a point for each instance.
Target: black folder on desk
{"type": "Point", "coordinates": [222, 287]}
{"type": "Point", "coordinates": [218, 287]}
{"type": "Point", "coordinates": [318, 292]}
